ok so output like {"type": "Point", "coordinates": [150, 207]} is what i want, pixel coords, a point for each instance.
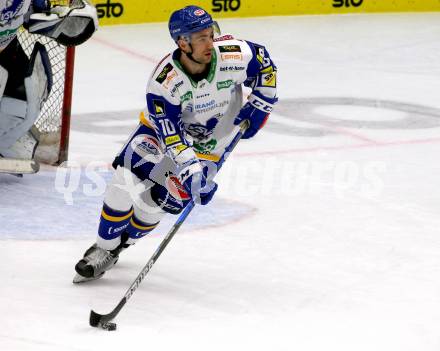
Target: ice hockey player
{"type": "Point", "coordinates": [194, 108]}
{"type": "Point", "coordinates": [25, 82]}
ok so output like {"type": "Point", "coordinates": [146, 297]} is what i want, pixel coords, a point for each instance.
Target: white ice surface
{"type": "Point", "coordinates": [324, 234]}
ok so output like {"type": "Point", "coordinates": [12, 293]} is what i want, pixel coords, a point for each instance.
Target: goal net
{"type": "Point", "coordinates": [53, 122]}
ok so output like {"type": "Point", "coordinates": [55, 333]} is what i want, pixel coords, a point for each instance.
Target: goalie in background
{"type": "Point", "coordinates": [25, 82]}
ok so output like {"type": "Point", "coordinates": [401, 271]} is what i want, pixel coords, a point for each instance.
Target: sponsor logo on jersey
{"type": "Point", "coordinates": [169, 78]}
{"type": "Point", "coordinates": [202, 96]}
{"type": "Point", "coordinates": [172, 140]}
{"type": "Point", "coordinates": [205, 105]}
{"type": "Point", "coordinates": [180, 148]}
{"type": "Point", "coordinates": [146, 147]}
{"type": "Point", "coordinates": [224, 84]}
{"type": "Point", "coordinates": [176, 86]}
{"type": "Point", "coordinates": [224, 37]}
{"type": "Point", "coordinates": [208, 106]}
{"type": "Point", "coordinates": [159, 108]}
{"type": "Point", "coordinates": [205, 148]}
{"type": "Point", "coordinates": [163, 74]}
{"type": "Point", "coordinates": [222, 104]}
{"type": "Point", "coordinates": [269, 79]}
{"type": "Point", "coordinates": [236, 57]}
{"type": "Point", "coordinates": [187, 96]}
{"type": "Point", "coordinates": [231, 68]}
{"type": "Point", "coordinates": [229, 48]}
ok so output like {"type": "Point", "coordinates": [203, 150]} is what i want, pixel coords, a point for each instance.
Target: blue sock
{"type": "Point", "coordinates": [137, 229]}
{"type": "Point", "coordinates": [112, 222]}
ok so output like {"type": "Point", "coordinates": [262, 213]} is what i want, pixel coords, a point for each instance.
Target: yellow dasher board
{"type": "Point", "coordinates": [143, 11]}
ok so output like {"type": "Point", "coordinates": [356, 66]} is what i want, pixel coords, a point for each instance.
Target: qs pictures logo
{"type": "Point", "coordinates": [109, 9]}
{"type": "Point", "coordinates": [347, 3]}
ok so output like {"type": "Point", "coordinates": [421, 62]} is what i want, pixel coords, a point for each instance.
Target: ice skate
{"type": "Point", "coordinates": [94, 264]}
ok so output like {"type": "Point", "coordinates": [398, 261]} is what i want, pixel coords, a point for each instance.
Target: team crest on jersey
{"type": "Point", "coordinates": [159, 108]}
{"type": "Point", "coordinates": [164, 73]}
{"type": "Point", "coordinates": [229, 48]}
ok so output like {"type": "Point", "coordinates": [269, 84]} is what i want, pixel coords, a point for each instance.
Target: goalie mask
{"type": "Point", "coordinates": [190, 19]}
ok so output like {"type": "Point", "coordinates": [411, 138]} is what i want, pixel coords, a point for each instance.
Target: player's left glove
{"type": "Point", "coordinates": [197, 183]}
{"type": "Point", "coordinates": [257, 111]}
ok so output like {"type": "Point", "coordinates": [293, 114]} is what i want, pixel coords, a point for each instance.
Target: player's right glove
{"type": "Point", "coordinates": [256, 111]}
{"type": "Point", "coordinates": [194, 177]}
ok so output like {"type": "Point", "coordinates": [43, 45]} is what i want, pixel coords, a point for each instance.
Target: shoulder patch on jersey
{"type": "Point", "coordinates": [269, 79]}
{"type": "Point", "coordinates": [229, 48]}
{"type": "Point", "coordinates": [164, 73]}
{"type": "Point", "coordinates": [159, 108]}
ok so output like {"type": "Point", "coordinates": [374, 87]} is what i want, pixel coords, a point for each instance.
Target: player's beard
{"type": "Point", "coordinates": [203, 58]}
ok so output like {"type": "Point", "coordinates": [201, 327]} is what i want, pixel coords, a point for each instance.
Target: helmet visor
{"type": "Point", "coordinates": [214, 25]}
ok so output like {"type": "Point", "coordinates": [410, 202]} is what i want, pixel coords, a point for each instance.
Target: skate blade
{"type": "Point", "coordinates": [80, 279]}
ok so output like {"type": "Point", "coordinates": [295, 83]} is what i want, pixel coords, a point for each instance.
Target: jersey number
{"type": "Point", "coordinates": [167, 127]}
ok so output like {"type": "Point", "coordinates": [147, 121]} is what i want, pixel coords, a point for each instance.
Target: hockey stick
{"type": "Point", "coordinates": [104, 320]}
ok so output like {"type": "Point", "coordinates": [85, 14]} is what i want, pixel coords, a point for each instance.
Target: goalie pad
{"type": "Point", "coordinates": [18, 116]}
{"type": "Point", "coordinates": [3, 80]}
{"type": "Point", "coordinates": [69, 26]}
{"type": "Point", "coordinates": [16, 166]}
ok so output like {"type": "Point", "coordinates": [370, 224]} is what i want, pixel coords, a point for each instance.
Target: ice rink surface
{"type": "Point", "coordinates": [324, 234]}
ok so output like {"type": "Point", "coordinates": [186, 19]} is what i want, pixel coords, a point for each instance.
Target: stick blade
{"type": "Point", "coordinates": [101, 321]}
{"type": "Point", "coordinates": [95, 319]}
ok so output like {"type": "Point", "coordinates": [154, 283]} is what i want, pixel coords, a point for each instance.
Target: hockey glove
{"type": "Point", "coordinates": [256, 111]}
{"type": "Point", "coordinates": [199, 187]}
